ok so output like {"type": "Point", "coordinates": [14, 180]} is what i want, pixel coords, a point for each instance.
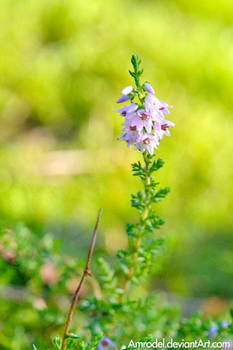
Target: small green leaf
{"type": "Point", "coordinates": [72, 336]}
{"type": "Point", "coordinates": [132, 74]}
{"type": "Point", "coordinates": [57, 342]}
{"type": "Point", "coordinates": [156, 165]}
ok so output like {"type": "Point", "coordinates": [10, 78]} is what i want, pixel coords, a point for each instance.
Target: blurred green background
{"type": "Point", "coordinates": [62, 66]}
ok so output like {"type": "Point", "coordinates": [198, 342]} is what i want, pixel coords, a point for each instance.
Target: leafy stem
{"type": "Point", "coordinates": [143, 216]}
{"type": "Point", "coordinates": [147, 184]}
{"type": "Point", "coordinates": [136, 74]}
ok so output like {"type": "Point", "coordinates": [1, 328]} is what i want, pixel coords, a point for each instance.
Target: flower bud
{"type": "Point", "coordinates": [127, 90]}
{"type": "Point", "coordinates": [124, 98]}
{"type": "Point", "coordinates": [149, 88]}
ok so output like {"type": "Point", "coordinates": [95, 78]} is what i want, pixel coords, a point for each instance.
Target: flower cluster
{"type": "Point", "coordinates": [144, 122]}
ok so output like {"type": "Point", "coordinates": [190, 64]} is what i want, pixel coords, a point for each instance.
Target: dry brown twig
{"type": "Point", "coordinates": [86, 272]}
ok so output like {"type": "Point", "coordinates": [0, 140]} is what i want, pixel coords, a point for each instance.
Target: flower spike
{"type": "Point", "coordinates": [145, 123]}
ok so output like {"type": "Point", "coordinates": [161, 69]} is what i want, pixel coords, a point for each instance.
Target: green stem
{"type": "Point", "coordinates": [147, 184]}
{"type": "Point", "coordinates": [138, 240]}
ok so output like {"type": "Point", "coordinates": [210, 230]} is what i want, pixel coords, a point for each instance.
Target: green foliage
{"type": "Point", "coordinates": [143, 247]}
{"type": "Point", "coordinates": [110, 314]}
{"type": "Point", "coordinates": [57, 342]}
{"type": "Point", "coordinates": [117, 313]}
{"type": "Point", "coordinates": [136, 62]}
{"type": "Point", "coordinates": [36, 275]}
{"type": "Point", "coordinates": [107, 279]}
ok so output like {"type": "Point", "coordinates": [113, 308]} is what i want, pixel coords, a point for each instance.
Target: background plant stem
{"type": "Point", "coordinates": [86, 272]}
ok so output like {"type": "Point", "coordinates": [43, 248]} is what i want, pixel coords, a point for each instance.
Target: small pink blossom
{"type": "Point", "coordinates": [130, 135]}
{"type": "Point", "coordinates": [147, 142]}
{"type": "Point", "coordinates": [156, 106]}
{"type": "Point", "coordinates": [140, 119]}
{"type": "Point", "coordinates": [165, 127]}
{"type": "Point", "coordinates": [161, 127]}
{"type": "Point", "coordinates": [127, 109]}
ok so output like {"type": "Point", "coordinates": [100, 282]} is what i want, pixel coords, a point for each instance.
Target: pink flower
{"type": "Point", "coordinates": [130, 135]}
{"type": "Point", "coordinates": [140, 119]}
{"type": "Point", "coordinates": [147, 142]}
{"type": "Point", "coordinates": [127, 109]}
{"type": "Point", "coordinates": [165, 127]}
{"type": "Point", "coordinates": [155, 106]}
{"type": "Point", "coordinates": [163, 107]}
{"type": "Point", "coordinates": [161, 127]}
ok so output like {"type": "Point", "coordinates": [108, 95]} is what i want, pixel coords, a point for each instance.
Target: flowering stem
{"type": "Point", "coordinates": [86, 272]}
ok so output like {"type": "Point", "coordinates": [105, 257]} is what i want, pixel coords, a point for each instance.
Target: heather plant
{"type": "Point", "coordinates": [117, 314]}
